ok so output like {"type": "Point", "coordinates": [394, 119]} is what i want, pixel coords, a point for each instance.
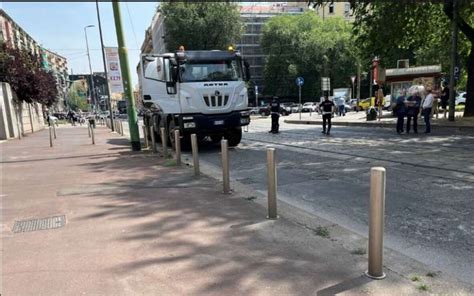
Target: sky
{"type": "Point", "coordinates": [59, 27]}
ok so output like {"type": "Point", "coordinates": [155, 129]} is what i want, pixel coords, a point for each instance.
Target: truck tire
{"type": "Point", "coordinates": [234, 137]}
{"type": "Point", "coordinates": [216, 138]}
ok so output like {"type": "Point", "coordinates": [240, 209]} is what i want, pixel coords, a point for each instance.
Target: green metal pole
{"type": "Point", "coordinates": [127, 82]}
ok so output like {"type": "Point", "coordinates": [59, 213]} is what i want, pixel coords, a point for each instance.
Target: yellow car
{"type": "Point", "coordinates": [364, 104]}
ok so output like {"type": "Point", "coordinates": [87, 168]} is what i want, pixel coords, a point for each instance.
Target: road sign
{"type": "Point", "coordinates": [299, 81]}
{"type": "Point", "coordinates": [325, 84]}
{"type": "Point", "coordinates": [457, 73]}
{"type": "Point", "coordinates": [353, 78]}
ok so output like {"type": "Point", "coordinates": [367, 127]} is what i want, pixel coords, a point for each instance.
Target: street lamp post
{"type": "Point", "coordinates": [107, 87]}
{"type": "Point", "coordinates": [92, 89]}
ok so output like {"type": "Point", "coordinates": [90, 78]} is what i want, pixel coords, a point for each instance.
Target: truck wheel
{"type": "Point", "coordinates": [233, 137]}
{"type": "Point", "coordinates": [216, 138]}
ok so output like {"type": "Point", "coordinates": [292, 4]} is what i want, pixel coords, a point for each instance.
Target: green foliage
{"type": "Point", "coordinates": [305, 45]}
{"type": "Point", "coordinates": [75, 101]}
{"type": "Point", "coordinates": [201, 25]}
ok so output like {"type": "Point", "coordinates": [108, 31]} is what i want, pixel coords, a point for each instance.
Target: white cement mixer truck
{"type": "Point", "coordinates": [201, 92]}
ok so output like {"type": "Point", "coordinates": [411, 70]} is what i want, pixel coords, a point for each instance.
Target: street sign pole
{"type": "Point", "coordinates": [299, 94]}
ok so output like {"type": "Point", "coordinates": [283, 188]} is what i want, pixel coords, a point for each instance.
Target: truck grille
{"type": "Point", "coordinates": [216, 101]}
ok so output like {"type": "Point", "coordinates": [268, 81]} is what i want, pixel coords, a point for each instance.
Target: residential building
{"type": "Point", "coordinates": [254, 17]}
{"type": "Point", "coordinates": [335, 8]}
{"type": "Point", "coordinates": [13, 36]}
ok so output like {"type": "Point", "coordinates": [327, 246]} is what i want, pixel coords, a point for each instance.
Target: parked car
{"type": "Point", "coordinates": [461, 98]}
{"type": "Point", "coordinates": [285, 109]}
{"type": "Point", "coordinates": [363, 105]}
{"type": "Point", "coordinates": [254, 111]}
{"type": "Point", "coordinates": [295, 108]}
{"type": "Point", "coordinates": [309, 107]}
{"type": "Point", "coordinates": [265, 110]}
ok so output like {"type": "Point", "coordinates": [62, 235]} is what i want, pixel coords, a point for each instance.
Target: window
{"type": "Point", "coordinates": [331, 8]}
{"type": "Point", "coordinates": [347, 9]}
{"type": "Point", "coordinates": [228, 70]}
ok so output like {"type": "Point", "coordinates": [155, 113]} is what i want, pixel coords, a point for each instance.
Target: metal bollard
{"type": "Point", "coordinates": [92, 133]}
{"type": "Point", "coordinates": [89, 129]}
{"type": "Point", "coordinates": [153, 139]}
{"type": "Point", "coordinates": [194, 148]}
{"type": "Point", "coordinates": [164, 142]}
{"type": "Point", "coordinates": [177, 145]}
{"type": "Point", "coordinates": [50, 138]}
{"type": "Point", "coordinates": [272, 184]}
{"type": "Point", "coordinates": [54, 130]}
{"type": "Point", "coordinates": [145, 136]}
{"type": "Point", "coordinates": [225, 166]}
{"type": "Point", "coordinates": [376, 223]}
{"type": "Point", "coordinates": [121, 127]}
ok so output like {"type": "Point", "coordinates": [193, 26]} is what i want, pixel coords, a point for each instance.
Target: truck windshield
{"type": "Point", "coordinates": [223, 70]}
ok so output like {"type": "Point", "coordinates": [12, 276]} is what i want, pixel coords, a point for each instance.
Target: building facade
{"type": "Point", "coordinates": [13, 36]}
{"type": "Point", "coordinates": [254, 17]}
{"type": "Point", "coordinates": [335, 8]}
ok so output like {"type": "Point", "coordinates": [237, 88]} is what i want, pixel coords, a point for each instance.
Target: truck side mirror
{"type": "Point", "coordinates": [174, 73]}
{"type": "Point", "coordinates": [171, 87]}
{"type": "Point", "coordinates": [247, 71]}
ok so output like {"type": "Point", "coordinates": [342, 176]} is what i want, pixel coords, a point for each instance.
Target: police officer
{"type": "Point", "coordinates": [275, 111]}
{"type": "Point", "coordinates": [327, 108]}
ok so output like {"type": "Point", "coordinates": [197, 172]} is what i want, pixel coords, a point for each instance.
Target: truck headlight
{"type": "Point", "coordinates": [187, 118]}
{"type": "Point", "coordinates": [245, 113]}
{"type": "Point", "coordinates": [244, 120]}
{"type": "Point", "coordinates": [189, 125]}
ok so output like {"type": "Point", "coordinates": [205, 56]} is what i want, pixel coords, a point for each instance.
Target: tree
{"type": "Point", "coordinates": [27, 79]}
{"type": "Point", "coordinates": [420, 31]}
{"type": "Point", "coordinates": [305, 45]}
{"type": "Point", "coordinates": [201, 25]}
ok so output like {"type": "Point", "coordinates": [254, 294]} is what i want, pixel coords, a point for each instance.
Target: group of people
{"type": "Point", "coordinates": [74, 117]}
{"type": "Point", "coordinates": [411, 106]}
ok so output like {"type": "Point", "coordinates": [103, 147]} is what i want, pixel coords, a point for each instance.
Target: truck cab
{"type": "Point", "coordinates": [201, 92]}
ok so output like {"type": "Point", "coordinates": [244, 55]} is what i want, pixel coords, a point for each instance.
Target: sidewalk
{"type": "Point", "coordinates": [137, 225]}
{"type": "Point", "coordinates": [388, 121]}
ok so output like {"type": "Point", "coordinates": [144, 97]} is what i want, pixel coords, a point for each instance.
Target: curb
{"type": "Point", "coordinates": [375, 124]}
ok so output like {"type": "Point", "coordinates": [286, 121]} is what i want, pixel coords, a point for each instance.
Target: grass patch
{"type": "Point", "coordinates": [251, 198]}
{"type": "Point", "coordinates": [322, 231]}
{"type": "Point", "coordinates": [423, 287]}
{"type": "Point", "coordinates": [431, 274]}
{"type": "Point", "coordinates": [415, 278]}
{"type": "Point", "coordinates": [170, 163]}
{"type": "Point", "coordinates": [359, 251]}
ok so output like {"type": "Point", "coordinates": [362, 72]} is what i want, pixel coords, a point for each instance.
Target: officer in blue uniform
{"type": "Point", "coordinates": [275, 111]}
{"type": "Point", "coordinates": [327, 109]}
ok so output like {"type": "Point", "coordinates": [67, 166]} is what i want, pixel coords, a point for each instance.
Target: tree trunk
{"type": "Point", "coordinates": [469, 107]}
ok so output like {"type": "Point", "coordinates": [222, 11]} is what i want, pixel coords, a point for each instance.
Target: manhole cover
{"type": "Point", "coordinates": [39, 224]}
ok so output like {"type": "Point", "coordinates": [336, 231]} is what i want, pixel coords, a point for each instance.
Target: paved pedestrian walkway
{"type": "Point", "coordinates": [134, 224]}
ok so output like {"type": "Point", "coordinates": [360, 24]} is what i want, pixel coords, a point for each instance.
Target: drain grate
{"type": "Point", "coordinates": [39, 224]}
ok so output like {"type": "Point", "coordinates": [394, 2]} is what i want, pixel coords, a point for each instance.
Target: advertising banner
{"type": "Point", "coordinates": [113, 70]}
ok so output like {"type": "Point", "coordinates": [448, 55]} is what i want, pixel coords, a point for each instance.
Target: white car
{"type": "Point", "coordinates": [461, 98]}
{"type": "Point", "coordinates": [309, 107]}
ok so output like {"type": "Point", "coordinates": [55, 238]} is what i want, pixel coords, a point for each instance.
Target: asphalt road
{"type": "Point", "coordinates": [430, 182]}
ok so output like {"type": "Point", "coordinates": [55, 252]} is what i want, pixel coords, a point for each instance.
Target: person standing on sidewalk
{"type": "Point", "coordinates": [427, 107]}
{"type": "Point", "coordinates": [400, 110]}
{"type": "Point", "coordinates": [414, 103]}
{"type": "Point", "coordinates": [444, 98]}
{"type": "Point", "coordinates": [341, 106]}
{"type": "Point", "coordinates": [275, 111]}
{"type": "Point", "coordinates": [327, 108]}
{"type": "Point", "coordinates": [379, 101]}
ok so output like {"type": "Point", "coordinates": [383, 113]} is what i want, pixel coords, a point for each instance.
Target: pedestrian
{"type": "Point", "coordinates": [379, 100]}
{"type": "Point", "coordinates": [400, 110]}
{"type": "Point", "coordinates": [444, 98]}
{"type": "Point", "coordinates": [327, 108]}
{"type": "Point", "coordinates": [435, 108]}
{"type": "Point", "coordinates": [413, 109]}
{"type": "Point", "coordinates": [275, 111]}
{"type": "Point", "coordinates": [341, 106]}
{"type": "Point", "coordinates": [427, 106]}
